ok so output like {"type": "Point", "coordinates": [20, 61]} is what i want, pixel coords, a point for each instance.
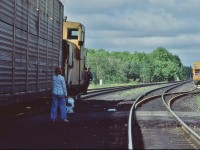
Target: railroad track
{"type": "Point", "coordinates": [102, 91]}
{"type": "Point", "coordinates": [156, 128]}
{"type": "Point", "coordinates": [41, 104]}
{"type": "Point", "coordinates": [94, 125]}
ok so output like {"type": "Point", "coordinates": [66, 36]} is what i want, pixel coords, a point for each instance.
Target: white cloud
{"type": "Point", "coordinates": [140, 25]}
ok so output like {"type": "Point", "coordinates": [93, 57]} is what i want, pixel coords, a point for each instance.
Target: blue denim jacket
{"type": "Point", "coordinates": [59, 86]}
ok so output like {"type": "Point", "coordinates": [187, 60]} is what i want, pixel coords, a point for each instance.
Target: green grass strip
{"type": "Point", "coordinates": [198, 103]}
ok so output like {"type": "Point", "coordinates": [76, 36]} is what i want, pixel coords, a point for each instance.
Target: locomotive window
{"type": "Point", "coordinates": [72, 34]}
{"type": "Point", "coordinates": [83, 36]}
{"type": "Point", "coordinates": [70, 58]}
{"type": "Point", "coordinates": [194, 65]}
{"type": "Point", "coordinates": [197, 72]}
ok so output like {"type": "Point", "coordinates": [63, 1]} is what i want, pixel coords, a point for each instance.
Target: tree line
{"type": "Point", "coordinates": [123, 67]}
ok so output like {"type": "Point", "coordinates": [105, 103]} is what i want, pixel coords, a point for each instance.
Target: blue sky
{"type": "Point", "coordinates": [140, 25]}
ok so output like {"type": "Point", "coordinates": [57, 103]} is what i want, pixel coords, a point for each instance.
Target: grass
{"type": "Point", "coordinates": [125, 93]}
{"type": "Point", "coordinates": [95, 86]}
{"type": "Point", "coordinates": [198, 102]}
{"type": "Point", "coordinates": [138, 90]}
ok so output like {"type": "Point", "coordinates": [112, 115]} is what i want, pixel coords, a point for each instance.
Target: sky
{"type": "Point", "coordinates": [140, 25]}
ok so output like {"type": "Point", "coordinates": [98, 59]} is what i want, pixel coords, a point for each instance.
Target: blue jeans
{"type": "Point", "coordinates": [62, 103]}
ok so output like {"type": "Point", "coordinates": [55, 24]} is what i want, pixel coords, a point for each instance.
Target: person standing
{"type": "Point", "coordinates": [90, 75]}
{"type": "Point", "coordinates": [59, 95]}
{"type": "Point", "coordinates": [84, 78]}
{"type": "Point", "coordinates": [89, 78]}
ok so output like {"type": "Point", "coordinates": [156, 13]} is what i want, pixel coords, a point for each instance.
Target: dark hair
{"type": "Point", "coordinates": [58, 70]}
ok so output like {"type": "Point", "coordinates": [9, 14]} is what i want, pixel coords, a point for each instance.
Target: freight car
{"type": "Point", "coordinates": [196, 72]}
{"type": "Point", "coordinates": [34, 40]}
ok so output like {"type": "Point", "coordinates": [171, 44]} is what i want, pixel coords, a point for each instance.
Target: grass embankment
{"type": "Point", "coordinates": [198, 102]}
{"type": "Point", "coordinates": [95, 86]}
{"type": "Point", "coordinates": [125, 93]}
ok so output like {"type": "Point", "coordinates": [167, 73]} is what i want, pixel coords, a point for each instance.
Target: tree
{"type": "Point", "coordinates": [168, 67]}
{"type": "Point", "coordinates": [121, 67]}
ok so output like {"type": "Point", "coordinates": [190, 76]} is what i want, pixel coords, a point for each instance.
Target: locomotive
{"type": "Point", "coordinates": [196, 72]}
{"type": "Point", "coordinates": [35, 39]}
{"type": "Point", "coordinates": [74, 56]}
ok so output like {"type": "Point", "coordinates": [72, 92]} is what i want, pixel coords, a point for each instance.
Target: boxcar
{"type": "Point", "coordinates": [34, 40]}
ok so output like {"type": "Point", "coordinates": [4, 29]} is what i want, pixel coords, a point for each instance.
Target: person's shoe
{"type": "Point", "coordinates": [65, 120]}
{"type": "Point", "coordinates": [71, 111]}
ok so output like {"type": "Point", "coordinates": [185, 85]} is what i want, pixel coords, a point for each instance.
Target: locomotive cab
{"type": "Point", "coordinates": [196, 72]}
{"type": "Point", "coordinates": [74, 56]}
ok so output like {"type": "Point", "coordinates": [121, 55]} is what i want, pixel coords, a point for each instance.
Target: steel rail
{"type": "Point", "coordinates": [186, 128]}
{"type": "Point", "coordinates": [131, 119]}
